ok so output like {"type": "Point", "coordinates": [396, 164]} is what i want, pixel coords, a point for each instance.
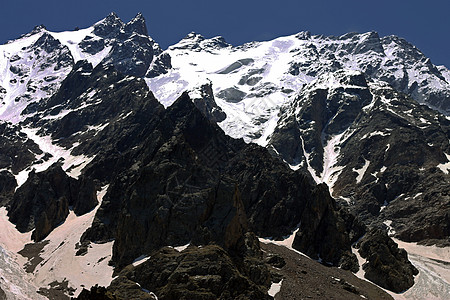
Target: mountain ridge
{"type": "Point", "coordinates": [168, 137]}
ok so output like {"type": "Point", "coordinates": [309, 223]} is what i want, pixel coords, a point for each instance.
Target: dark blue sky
{"type": "Point", "coordinates": [426, 24]}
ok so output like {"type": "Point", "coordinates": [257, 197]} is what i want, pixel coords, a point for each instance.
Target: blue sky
{"type": "Point", "coordinates": [426, 24]}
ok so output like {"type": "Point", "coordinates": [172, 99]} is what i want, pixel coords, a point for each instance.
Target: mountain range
{"type": "Point", "coordinates": [129, 171]}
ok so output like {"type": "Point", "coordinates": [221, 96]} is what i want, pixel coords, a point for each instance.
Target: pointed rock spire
{"type": "Point", "coordinates": [109, 26]}
{"type": "Point", "coordinates": [137, 25]}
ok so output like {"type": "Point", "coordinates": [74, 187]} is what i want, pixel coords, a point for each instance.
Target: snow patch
{"type": "Point", "coordinates": [60, 262]}
{"type": "Point", "coordinates": [10, 238]}
{"type": "Point", "coordinates": [380, 133]}
{"type": "Point", "coordinates": [391, 231]}
{"type": "Point", "coordinates": [286, 242]}
{"type": "Point", "coordinates": [433, 263]}
{"type": "Point", "coordinates": [445, 167]}
{"type": "Point", "coordinates": [275, 288]}
{"type": "Point", "coordinates": [361, 171]}
{"type": "Point", "coordinates": [141, 259]}
{"type": "Point", "coordinates": [74, 163]}
{"type": "Point", "coordinates": [361, 261]}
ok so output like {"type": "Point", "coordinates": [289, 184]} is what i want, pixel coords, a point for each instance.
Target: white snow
{"type": "Point", "coordinates": [361, 171]}
{"type": "Point", "coordinates": [384, 205]}
{"type": "Point", "coordinates": [381, 133]}
{"type": "Point", "coordinates": [13, 280]}
{"type": "Point", "coordinates": [72, 39]}
{"type": "Point", "coordinates": [287, 242]}
{"type": "Point", "coordinates": [60, 262]}
{"type": "Point", "coordinates": [361, 262]}
{"type": "Point", "coordinates": [75, 163]}
{"type": "Point", "coordinates": [141, 259]}
{"type": "Point", "coordinates": [388, 223]}
{"type": "Point", "coordinates": [181, 248]}
{"type": "Point", "coordinates": [275, 288]}
{"type": "Point", "coordinates": [10, 238]}
{"type": "Point", "coordinates": [310, 169]}
{"type": "Point", "coordinates": [433, 281]}
{"type": "Point", "coordinates": [445, 167]}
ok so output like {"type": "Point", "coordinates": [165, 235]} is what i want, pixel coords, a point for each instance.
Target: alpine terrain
{"type": "Point", "coordinates": [283, 169]}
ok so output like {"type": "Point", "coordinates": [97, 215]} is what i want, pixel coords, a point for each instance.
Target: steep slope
{"type": "Point", "coordinates": [251, 82]}
{"type": "Point", "coordinates": [78, 115]}
{"type": "Point", "coordinates": [383, 154]}
{"type": "Point", "coordinates": [175, 178]}
{"type": "Point", "coordinates": [33, 66]}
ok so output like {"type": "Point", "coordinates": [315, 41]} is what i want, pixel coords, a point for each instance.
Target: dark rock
{"type": "Point", "coordinates": [97, 293]}
{"type": "Point", "coordinates": [387, 265]}
{"type": "Point", "coordinates": [7, 187]}
{"type": "Point", "coordinates": [236, 65]}
{"type": "Point", "coordinates": [16, 150]}
{"type": "Point", "coordinates": [161, 65]}
{"type": "Point", "coordinates": [207, 104]}
{"type": "Point", "coordinates": [137, 25]}
{"type": "Point", "coordinates": [131, 56]}
{"type": "Point", "coordinates": [108, 27]}
{"type": "Point", "coordinates": [276, 261]}
{"type": "Point", "coordinates": [232, 94]}
{"type": "Point", "coordinates": [323, 233]}
{"type": "Point", "coordinates": [2, 295]}
{"type": "Point", "coordinates": [91, 45]}
{"type": "Point", "coordinates": [42, 202]}
{"type": "Point", "coordinates": [58, 54]}
{"type": "Point", "coordinates": [196, 273]}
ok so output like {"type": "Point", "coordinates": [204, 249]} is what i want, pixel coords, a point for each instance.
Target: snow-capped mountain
{"type": "Point", "coordinates": [121, 148]}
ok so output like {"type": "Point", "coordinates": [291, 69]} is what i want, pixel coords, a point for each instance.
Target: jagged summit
{"type": "Point", "coordinates": [137, 25]}
{"type": "Point", "coordinates": [109, 26]}
{"type": "Point", "coordinates": [91, 116]}
{"type": "Point", "coordinates": [197, 42]}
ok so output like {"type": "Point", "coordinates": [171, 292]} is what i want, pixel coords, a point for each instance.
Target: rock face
{"type": "Point", "coordinates": [324, 234]}
{"type": "Point", "coordinates": [7, 187]}
{"type": "Point", "coordinates": [16, 150]}
{"type": "Point", "coordinates": [376, 148]}
{"type": "Point", "coordinates": [387, 265]}
{"type": "Point", "coordinates": [200, 186]}
{"type": "Point", "coordinates": [43, 201]}
{"type": "Point", "coordinates": [174, 177]}
{"type": "Point", "coordinates": [195, 273]}
{"type": "Point", "coordinates": [203, 98]}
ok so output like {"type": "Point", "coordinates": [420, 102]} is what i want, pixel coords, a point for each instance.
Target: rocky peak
{"type": "Point", "coordinates": [352, 43]}
{"type": "Point", "coordinates": [38, 28]}
{"type": "Point", "coordinates": [109, 26]}
{"type": "Point", "coordinates": [137, 25]}
{"type": "Point", "coordinates": [402, 48]}
{"type": "Point", "coordinates": [47, 43]}
{"type": "Point", "coordinates": [303, 35]}
{"type": "Point", "coordinates": [369, 41]}
{"type": "Point", "coordinates": [190, 42]}
{"type": "Point", "coordinates": [216, 42]}
{"type": "Point", "coordinates": [339, 79]}
{"type": "Point", "coordinates": [203, 98]}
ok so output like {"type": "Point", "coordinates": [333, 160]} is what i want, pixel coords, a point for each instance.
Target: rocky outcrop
{"type": "Point", "coordinates": [387, 265]}
{"type": "Point", "coordinates": [195, 273]}
{"type": "Point", "coordinates": [324, 235]}
{"type": "Point", "coordinates": [160, 65]}
{"type": "Point", "coordinates": [375, 147]}
{"type": "Point", "coordinates": [16, 150]}
{"type": "Point", "coordinates": [201, 186]}
{"type": "Point", "coordinates": [43, 201]}
{"type": "Point", "coordinates": [7, 187]}
{"type": "Point", "coordinates": [203, 98]}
